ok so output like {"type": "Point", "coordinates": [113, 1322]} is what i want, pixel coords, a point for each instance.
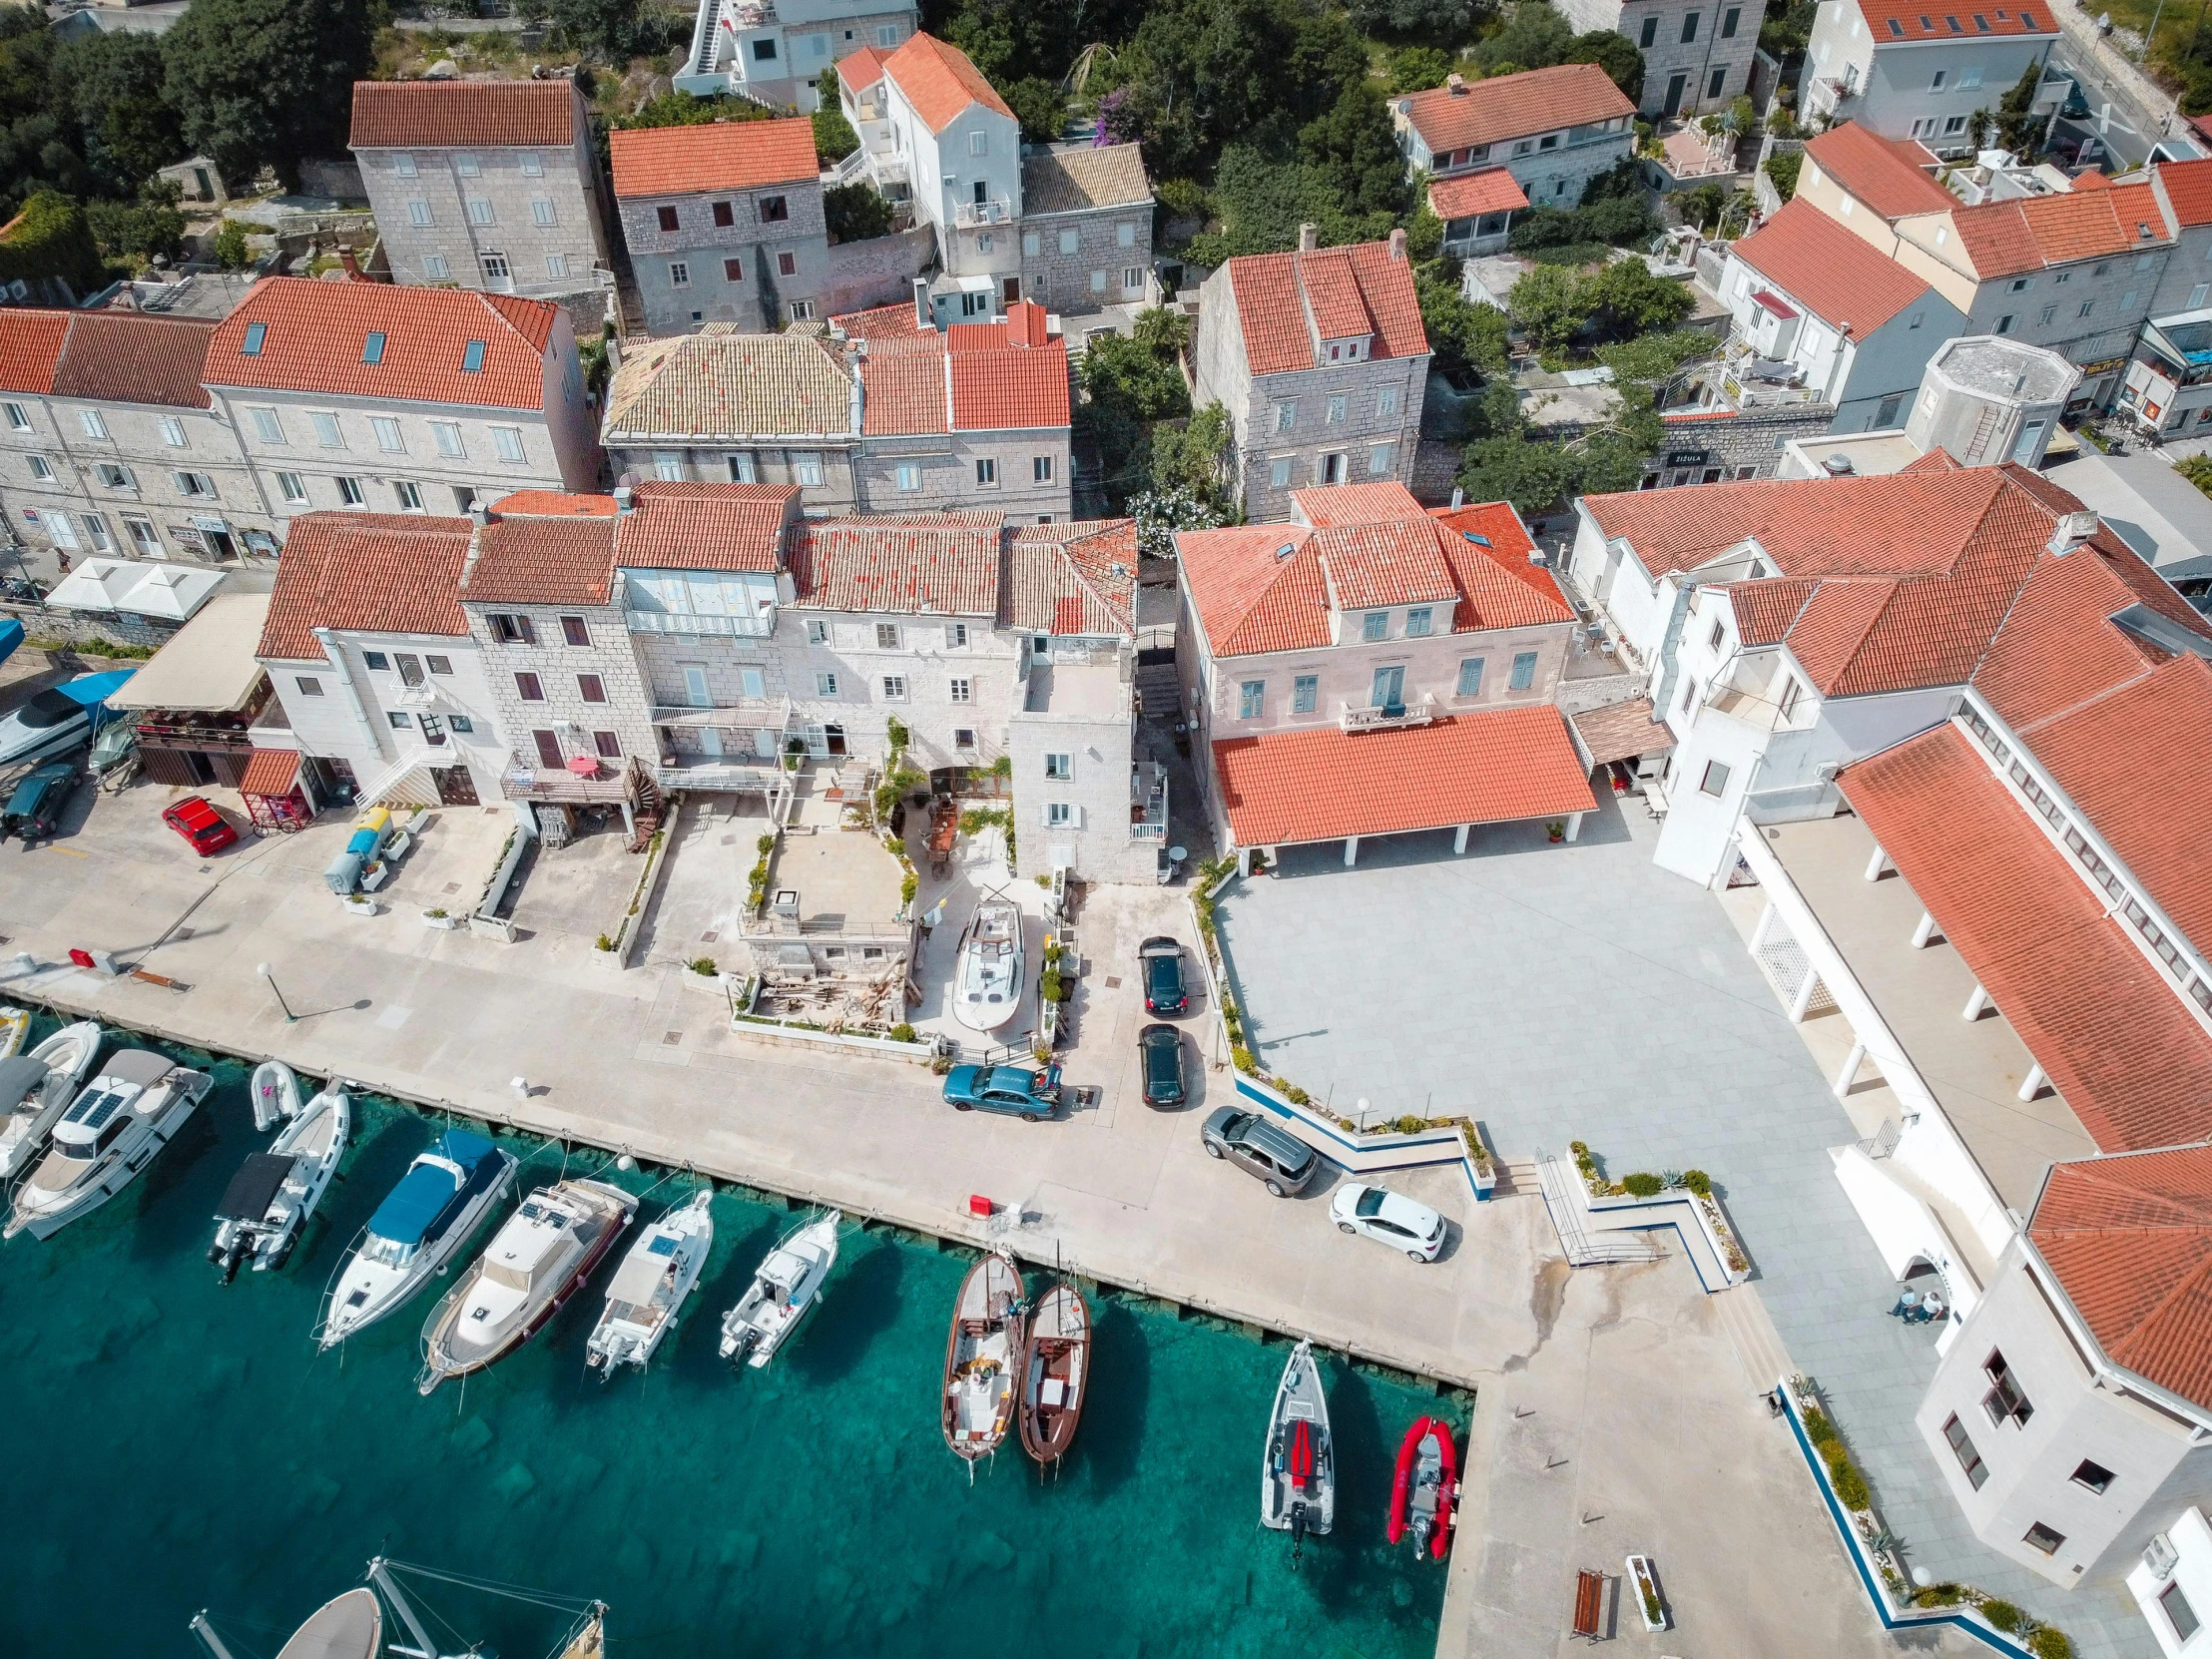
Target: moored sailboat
{"type": "Point", "coordinates": [980, 1355]}
{"type": "Point", "coordinates": [1055, 1373]}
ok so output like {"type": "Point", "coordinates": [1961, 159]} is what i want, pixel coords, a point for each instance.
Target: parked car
{"type": "Point", "coordinates": [1165, 1083]}
{"type": "Point", "coordinates": [195, 818]}
{"type": "Point", "coordinates": [1028, 1095]}
{"type": "Point", "coordinates": [1277, 1158]}
{"type": "Point", "coordinates": [1389, 1217]}
{"type": "Point", "coordinates": [1164, 990]}
{"type": "Point", "coordinates": [34, 810]}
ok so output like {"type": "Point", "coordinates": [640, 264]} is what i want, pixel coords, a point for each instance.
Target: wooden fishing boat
{"type": "Point", "coordinates": [980, 1355]}
{"type": "Point", "coordinates": [1055, 1373]}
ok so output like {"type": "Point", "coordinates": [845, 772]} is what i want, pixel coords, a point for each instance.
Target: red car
{"type": "Point", "coordinates": [201, 824]}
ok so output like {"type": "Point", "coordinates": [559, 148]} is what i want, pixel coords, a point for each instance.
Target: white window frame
{"type": "Point", "coordinates": [93, 423]}
{"type": "Point", "coordinates": [507, 441]}
{"type": "Point", "coordinates": [389, 436]}
{"type": "Point", "coordinates": [292, 488]}
{"type": "Point", "coordinates": [172, 433]}
{"type": "Point", "coordinates": [446, 434]}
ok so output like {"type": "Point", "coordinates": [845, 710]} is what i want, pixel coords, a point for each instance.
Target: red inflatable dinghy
{"type": "Point", "coordinates": [1422, 1495]}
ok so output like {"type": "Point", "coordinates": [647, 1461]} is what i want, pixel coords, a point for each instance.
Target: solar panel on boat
{"type": "Point", "coordinates": [94, 1107]}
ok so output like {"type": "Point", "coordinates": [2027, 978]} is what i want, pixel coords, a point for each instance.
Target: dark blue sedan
{"type": "Point", "coordinates": [1164, 990]}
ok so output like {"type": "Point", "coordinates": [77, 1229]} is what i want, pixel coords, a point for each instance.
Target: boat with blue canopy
{"type": "Point", "coordinates": [422, 1223]}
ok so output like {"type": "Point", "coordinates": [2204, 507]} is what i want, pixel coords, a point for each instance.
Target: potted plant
{"type": "Point", "coordinates": [1479, 1161]}
{"type": "Point", "coordinates": [1555, 831]}
{"type": "Point", "coordinates": [1647, 1592]}
{"type": "Point", "coordinates": [439, 917]}
{"type": "Point", "coordinates": [359, 903]}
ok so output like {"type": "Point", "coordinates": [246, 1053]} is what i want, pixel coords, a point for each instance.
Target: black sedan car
{"type": "Point", "coordinates": [1161, 1047]}
{"type": "Point", "coordinates": [1164, 989]}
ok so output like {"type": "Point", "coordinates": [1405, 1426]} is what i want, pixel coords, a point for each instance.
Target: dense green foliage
{"type": "Point", "coordinates": [1444, 22]}
{"type": "Point", "coordinates": [610, 30]}
{"type": "Point", "coordinates": [51, 237]}
{"type": "Point", "coordinates": [262, 83]}
{"type": "Point", "coordinates": [1464, 338]}
{"type": "Point", "coordinates": [1040, 107]}
{"type": "Point", "coordinates": [834, 138]}
{"type": "Point", "coordinates": [855, 212]}
{"type": "Point", "coordinates": [1782, 166]}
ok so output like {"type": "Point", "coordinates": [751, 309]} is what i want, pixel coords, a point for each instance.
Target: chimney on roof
{"type": "Point", "coordinates": [1398, 243]}
{"type": "Point", "coordinates": [352, 264]}
{"type": "Point", "coordinates": [623, 494]}
{"type": "Point", "coordinates": [2071, 530]}
{"type": "Point", "coordinates": [1309, 238]}
{"type": "Point", "coordinates": [1459, 498]}
{"type": "Point", "coordinates": [614, 351]}
{"type": "Point", "coordinates": [480, 511]}
{"type": "Point", "coordinates": [1456, 85]}
{"type": "Point", "coordinates": [924, 317]}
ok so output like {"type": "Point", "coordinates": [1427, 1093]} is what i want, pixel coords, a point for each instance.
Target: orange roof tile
{"type": "Point", "coordinates": [1887, 174]}
{"type": "Point", "coordinates": [314, 337]}
{"type": "Point", "coordinates": [2003, 238]}
{"type": "Point", "coordinates": [1273, 293]}
{"type": "Point", "coordinates": [861, 69]}
{"type": "Point", "coordinates": [884, 322]}
{"type": "Point", "coordinates": [555, 504]}
{"type": "Point", "coordinates": [448, 115]}
{"type": "Point", "coordinates": [130, 358]}
{"type": "Point", "coordinates": [1371, 565]}
{"type": "Point", "coordinates": [1470, 195]}
{"type": "Point", "coordinates": [721, 155]}
{"type": "Point", "coordinates": [945, 563]}
{"type": "Point", "coordinates": [367, 573]}
{"type": "Point", "coordinates": [1514, 105]}
{"type": "Point", "coordinates": [270, 772]}
{"type": "Point", "coordinates": [523, 559]}
{"type": "Point", "coordinates": [2130, 1239]}
{"type": "Point", "coordinates": [939, 82]}
{"type": "Point", "coordinates": [30, 347]}
{"type": "Point", "coordinates": [1283, 788]}
{"type": "Point", "coordinates": [1488, 537]}
{"type": "Point", "coordinates": [1332, 296]}
{"type": "Point", "coordinates": [2187, 187]}
{"type": "Point", "coordinates": [1327, 506]}
{"type": "Point", "coordinates": [683, 526]}
{"type": "Point", "coordinates": [2039, 940]}
{"type": "Point", "coordinates": [1843, 278]}
{"type": "Point", "coordinates": [1010, 388]}
{"type": "Point", "coordinates": [1895, 20]}
{"type": "Point", "coordinates": [1257, 588]}
{"type": "Point", "coordinates": [969, 378]}
{"type": "Point", "coordinates": [1076, 578]}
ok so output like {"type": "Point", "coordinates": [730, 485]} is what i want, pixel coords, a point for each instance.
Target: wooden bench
{"type": "Point", "coordinates": [1589, 1605]}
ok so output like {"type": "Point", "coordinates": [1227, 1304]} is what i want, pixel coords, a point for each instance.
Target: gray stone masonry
{"type": "Point", "coordinates": [562, 708]}
{"type": "Point", "coordinates": [1076, 263]}
{"type": "Point", "coordinates": [768, 267]}
{"type": "Point", "coordinates": [1729, 444]}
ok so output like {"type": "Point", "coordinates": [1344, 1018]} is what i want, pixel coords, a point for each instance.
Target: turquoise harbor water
{"type": "Point", "coordinates": [174, 1444]}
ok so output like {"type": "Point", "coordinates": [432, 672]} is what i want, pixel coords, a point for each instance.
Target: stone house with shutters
{"type": "Point", "coordinates": [483, 184]}
{"type": "Point", "coordinates": [1322, 361]}
{"type": "Point", "coordinates": [1697, 53]}
{"type": "Point", "coordinates": [1086, 226]}
{"type": "Point", "coordinates": [110, 444]}
{"type": "Point", "coordinates": [724, 223]}
{"type": "Point", "coordinates": [1553, 130]}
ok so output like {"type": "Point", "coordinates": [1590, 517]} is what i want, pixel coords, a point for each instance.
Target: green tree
{"type": "Point", "coordinates": [855, 212]}
{"type": "Point", "coordinates": [1531, 475]}
{"type": "Point", "coordinates": [1352, 151]}
{"type": "Point", "coordinates": [1701, 203]}
{"type": "Point", "coordinates": [2017, 124]}
{"type": "Point", "coordinates": [1419, 68]}
{"type": "Point", "coordinates": [1040, 108]}
{"type": "Point", "coordinates": [266, 82]}
{"type": "Point", "coordinates": [134, 234]}
{"type": "Point", "coordinates": [1162, 330]}
{"type": "Point", "coordinates": [1196, 455]}
{"type": "Point", "coordinates": [1262, 197]}
{"type": "Point", "coordinates": [1653, 358]}
{"type": "Point", "coordinates": [1126, 376]}
{"type": "Point", "coordinates": [230, 249]}
{"type": "Point", "coordinates": [1446, 22]}
{"type": "Point", "coordinates": [612, 30]}
{"type": "Point", "coordinates": [115, 88]}
{"type": "Point", "coordinates": [1464, 338]}
{"type": "Point", "coordinates": [834, 138]}
{"type": "Point", "coordinates": [1614, 53]}
{"type": "Point", "coordinates": [1782, 166]}
{"type": "Point", "coordinates": [1534, 36]}
{"type": "Point", "coordinates": [1549, 305]}
{"type": "Point", "coordinates": [50, 238]}
{"type": "Point", "coordinates": [1625, 300]}
{"type": "Point", "coordinates": [681, 109]}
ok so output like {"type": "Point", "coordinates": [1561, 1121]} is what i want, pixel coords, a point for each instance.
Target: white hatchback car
{"type": "Point", "coordinates": [1389, 1217]}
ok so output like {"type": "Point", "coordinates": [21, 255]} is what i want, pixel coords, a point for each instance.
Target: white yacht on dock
{"type": "Point", "coordinates": [784, 1289]}
{"type": "Point", "coordinates": [266, 1206]}
{"type": "Point", "coordinates": [649, 1289]}
{"type": "Point", "coordinates": [422, 1225]}
{"type": "Point", "coordinates": [986, 987]}
{"type": "Point", "coordinates": [35, 1088]}
{"type": "Point", "coordinates": [111, 1132]}
{"type": "Point", "coordinates": [538, 1259]}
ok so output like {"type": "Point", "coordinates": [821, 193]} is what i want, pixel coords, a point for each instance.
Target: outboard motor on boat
{"type": "Point", "coordinates": [229, 1254]}
{"type": "Point", "coordinates": [1298, 1531]}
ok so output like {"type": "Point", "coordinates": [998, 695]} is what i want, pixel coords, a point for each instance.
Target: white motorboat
{"type": "Point", "coordinates": [423, 1221]}
{"type": "Point", "coordinates": [986, 987]}
{"type": "Point", "coordinates": [539, 1258]}
{"type": "Point", "coordinates": [783, 1290]}
{"type": "Point", "coordinates": [112, 1130]}
{"type": "Point", "coordinates": [649, 1289]}
{"type": "Point", "coordinates": [15, 1030]}
{"type": "Point", "coordinates": [35, 1088]}
{"type": "Point", "coordinates": [275, 1095]}
{"type": "Point", "coordinates": [267, 1205]}
{"type": "Point", "coordinates": [1298, 1473]}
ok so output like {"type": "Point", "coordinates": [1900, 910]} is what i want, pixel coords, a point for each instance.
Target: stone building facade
{"type": "Point", "coordinates": [1086, 226]}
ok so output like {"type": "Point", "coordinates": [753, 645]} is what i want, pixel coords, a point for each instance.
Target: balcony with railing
{"type": "Point", "coordinates": [758, 627]}
{"type": "Point", "coordinates": [1148, 802]}
{"type": "Point", "coordinates": [1387, 717]}
{"type": "Point", "coordinates": [995, 210]}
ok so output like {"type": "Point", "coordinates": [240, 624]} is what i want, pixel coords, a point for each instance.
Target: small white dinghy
{"type": "Point", "coordinates": [275, 1095]}
{"type": "Point", "coordinates": [35, 1088]}
{"type": "Point", "coordinates": [650, 1287]}
{"type": "Point", "coordinates": [784, 1289]}
{"type": "Point", "coordinates": [266, 1206]}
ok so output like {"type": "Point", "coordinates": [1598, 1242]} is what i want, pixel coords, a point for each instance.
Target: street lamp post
{"type": "Point", "coordinates": [261, 968]}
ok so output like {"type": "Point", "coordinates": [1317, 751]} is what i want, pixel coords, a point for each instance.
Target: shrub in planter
{"type": "Point", "coordinates": [2002, 1614]}
{"type": "Point", "coordinates": [1642, 1185]}
{"type": "Point", "coordinates": [903, 1032]}
{"type": "Point", "coordinates": [2049, 1643]}
{"type": "Point", "coordinates": [1698, 1182]}
{"type": "Point", "coordinates": [437, 912]}
{"type": "Point", "coordinates": [941, 1064]}
{"type": "Point", "coordinates": [1293, 1094]}
{"type": "Point", "coordinates": [1818, 1428]}
{"type": "Point", "coordinates": [1940, 1595]}
{"type": "Point", "coordinates": [703, 967]}
{"type": "Point", "coordinates": [908, 885]}
{"type": "Point", "coordinates": [1243, 1062]}
{"type": "Point", "coordinates": [1049, 987]}
{"type": "Point", "coordinates": [603, 943]}
{"type": "Point", "coordinates": [765, 846]}
{"type": "Point", "coordinates": [1851, 1488]}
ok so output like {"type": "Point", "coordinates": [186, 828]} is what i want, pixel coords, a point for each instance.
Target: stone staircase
{"type": "Point", "coordinates": [1159, 691]}
{"type": "Point", "coordinates": [1752, 1334]}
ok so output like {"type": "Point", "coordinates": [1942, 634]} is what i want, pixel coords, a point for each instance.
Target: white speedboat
{"type": "Point", "coordinates": [660, 1269]}
{"type": "Point", "coordinates": [275, 1095]}
{"type": "Point", "coordinates": [422, 1225]}
{"type": "Point", "coordinates": [35, 1088]}
{"type": "Point", "coordinates": [986, 987]}
{"type": "Point", "coordinates": [15, 1030]}
{"type": "Point", "coordinates": [539, 1258]}
{"type": "Point", "coordinates": [111, 1132]}
{"type": "Point", "coordinates": [267, 1205]}
{"type": "Point", "coordinates": [1298, 1473]}
{"type": "Point", "coordinates": [783, 1289]}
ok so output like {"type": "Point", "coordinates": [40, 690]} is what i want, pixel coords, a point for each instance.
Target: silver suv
{"type": "Point", "coordinates": [1272, 1156]}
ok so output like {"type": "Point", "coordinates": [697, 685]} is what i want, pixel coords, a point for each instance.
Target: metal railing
{"type": "Point", "coordinates": [671, 622]}
{"type": "Point", "coordinates": [1389, 718]}
{"type": "Point", "coordinates": [993, 211]}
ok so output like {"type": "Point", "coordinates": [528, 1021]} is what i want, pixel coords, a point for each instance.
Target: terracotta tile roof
{"type": "Point", "coordinates": [448, 115]}
{"type": "Point", "coordinates": [884, 322]}
{"type": "Point", "coordinates": [1077, 179]}
{"type": "Point", "coordinates": [30, 347]}
{"type": "Point", "coordinates": [1332, 297]}
{"type": "Point", "coordinates": [721, 155]}
{"type": "Point", "coordinates": [2130, 1239]}
{"type": "Point", "coordinates": [721, 385]}
{"type": "Point", "coordinates": [1256, 588]}
{"type": "Point", "coordinates": [1901, 20]}
{"type": "Point", "coordinates": [269, 771]}
{"type": "Point", "coordinates": [1887, 174]}
{"type": "Point", "coordinates": [969, 378]}
{"type": "Point", "coordinates": [2113, 1038]}
{"type": "Point", "coordinates": [2187, 187]}
{"type": "Point", "coordinates": [902, 394]}
{"type": "Point", "coordinates": [564, 558]}
{"type": "Point", "coordinates": [1075, 578]}
{"type": "Point", "coordinates": [1513, 106]}
{"type": "Point", "coordinates": [681, 526]}
{"type": "Point", "coordinates": [315, 336]}
{"type": "Point", "coordinates": [1621, 731]}
{"type": "Point", "coordinates": [1470, 195]}
{"type": "Point", "coordinates": [130, 358]}
{"type": "Point", "coordinates": [1327, 506]}
{"type": "Point", "coordinates": [945, 563]}
{"type": "Point", "coordinates": [1765, 610]}
{"type": "Point", "coordinates": [555, 504]}
{"type": "Point", "coordinates": [1371, 565]}
{"type": "Point", "coordinates": [1506, 545]}
{"type": "Point", "coordinates": [2004, 239]}
{"type": "Point", "coordinates": [861, 69]}
{"type": "Point", "coordinates": [1936, 461]}
{"type": "Point", "coordinates": [2055, 651]}
{"type": "Point", "coordinates": [1273, 290]}
{"type": "Point", "coordinates": [1010, 388]}
{"type": "Point", "coordinates": [369, 573]}
{"type": "Point", "coordinates": [1842, 279]}
{"type": "Point", "coordinates": [939, 82]}
{"type": "Point", "coordinates": [1504, 764]}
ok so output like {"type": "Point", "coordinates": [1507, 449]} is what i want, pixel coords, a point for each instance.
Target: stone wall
{"type": "Point", "coordinates": [40, 623]}
{"type": "Point", "coordinates": [877, 272]}
{"type": "Point", "coordinates": [1731, 442]}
